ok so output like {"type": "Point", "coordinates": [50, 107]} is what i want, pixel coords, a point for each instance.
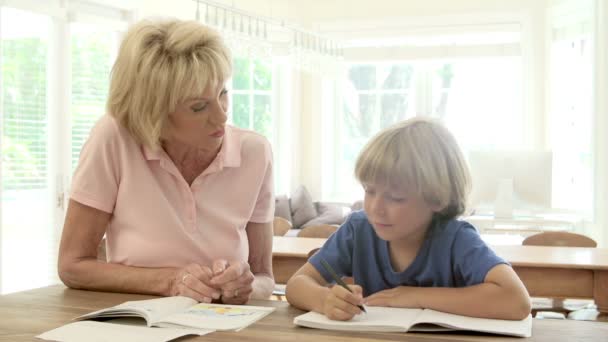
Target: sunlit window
{"type": "Point", "coordinates": [252, 96]}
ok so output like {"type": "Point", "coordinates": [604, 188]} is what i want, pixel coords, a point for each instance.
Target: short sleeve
{"type": "Point", "coordinates": [473, 259]}
{"type": "Point", "coordinates": [96, 178]}
{"type": "Point", "coordinates": [264, 206]}
{"type": "Point", "coordinates": [338, 252]}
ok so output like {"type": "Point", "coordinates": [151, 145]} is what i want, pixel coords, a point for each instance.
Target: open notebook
{"type": "Point", "coordinates": [384, 319]}
{"type": "Point", "coordinates": [183, 312]}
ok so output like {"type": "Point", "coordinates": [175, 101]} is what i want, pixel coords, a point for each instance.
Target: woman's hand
{"type": "Point", "coordinates": [194, 281]}
{"type": "Point", "coordinates": [342, 305]}
{"type": "Point", "coordinates": [235, 280]}
{"type": "Point", "coordinates": [401, 296]}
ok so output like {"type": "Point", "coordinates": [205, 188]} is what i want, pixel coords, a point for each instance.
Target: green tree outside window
{"type": "Point", "coordinates": [252, 95]}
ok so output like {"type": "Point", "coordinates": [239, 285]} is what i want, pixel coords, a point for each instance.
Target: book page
{"type": "Point", "coordinates": [115, 331]}
{"type": "Point", "coordinates": [381, 319]}
{"type": "Point", "coordinates": [521, 328]}
{"type": "Point", "coordinates": [150, 309]}
{"type": "Point", "coordinates": [215, 316]}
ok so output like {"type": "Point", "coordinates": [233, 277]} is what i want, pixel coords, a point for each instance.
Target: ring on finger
{"type": "Point", "coordinates": [184, 277]}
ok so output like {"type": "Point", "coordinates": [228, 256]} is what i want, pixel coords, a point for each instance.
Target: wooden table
{"type": "Point", "coordinates": [558, 272]}
{"type": "Point", "coordinates": [27, 314]}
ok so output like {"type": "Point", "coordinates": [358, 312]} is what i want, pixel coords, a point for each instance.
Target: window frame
{"type": "Point", "coordinates": [58, 85]}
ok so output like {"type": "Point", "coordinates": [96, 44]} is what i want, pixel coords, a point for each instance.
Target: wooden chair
{"type": "Point", "coordinates": [557, 239]}
{"type": "Point", "coordinates": [320, 231]}
{"type": "Point", "coordinates": [312, 252]}
{"type": "Point", "coordinates": [563, 239]}
{"type": "Point", "coordinates": [280, 226]}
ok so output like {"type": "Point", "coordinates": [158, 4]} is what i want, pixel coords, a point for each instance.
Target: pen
{"type": "Point", "coordinates": [339, 281]}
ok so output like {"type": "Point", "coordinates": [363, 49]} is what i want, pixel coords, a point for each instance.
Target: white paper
{"type": "Point", "coordinates": [376, 319]}
{"type": "Point", "coordinates": [121, 330]}
{"type": "Point", "coordinates": [521, 328]}
{"type": "Point", "coordinates": [385, 319]}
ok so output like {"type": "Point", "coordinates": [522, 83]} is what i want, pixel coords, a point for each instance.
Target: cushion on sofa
{"type": "Point", "coordinates": [302, 208]}
{"type": "Point", "coordinates": [281, 208]}
{"type": "Point", "coordinates": [328, 214]}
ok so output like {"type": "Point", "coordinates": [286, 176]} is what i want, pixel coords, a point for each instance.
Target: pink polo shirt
{"type": "Point", "coordinates": [158, 220]}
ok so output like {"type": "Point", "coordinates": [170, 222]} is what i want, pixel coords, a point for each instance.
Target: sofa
{"type": "Point", "coordinates": [302, 212]}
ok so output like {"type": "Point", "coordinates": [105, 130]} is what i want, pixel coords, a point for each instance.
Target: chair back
{"type": "Point", "coordinates": [563, 239]}
{"type": "Point", "coordinates": [312, 252]}
{"type": "Point", "coordinates": [280, 226]}
{"type": "Point", "coordinates": [320, 231]}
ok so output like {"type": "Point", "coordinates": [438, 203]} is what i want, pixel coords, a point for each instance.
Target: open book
{"type": "Point", "coordinates": [384, 319]}
{"type": "Point", "coordinates": [183, 312]}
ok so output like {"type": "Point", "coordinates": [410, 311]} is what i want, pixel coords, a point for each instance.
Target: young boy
{"type": "Point", "coordinates": [407, 248]}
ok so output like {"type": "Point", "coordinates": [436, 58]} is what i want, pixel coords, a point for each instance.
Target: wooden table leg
{"type": "Point", "coordinates": [600, 290]}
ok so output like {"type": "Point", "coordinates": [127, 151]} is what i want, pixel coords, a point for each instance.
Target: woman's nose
{"type": "Point", "coordinates": [221, 114]}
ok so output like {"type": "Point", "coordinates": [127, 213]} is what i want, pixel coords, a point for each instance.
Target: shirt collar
{"type": "Point", "coordinates": [228, 156]}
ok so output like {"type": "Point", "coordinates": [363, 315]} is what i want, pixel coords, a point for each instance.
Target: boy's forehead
{"type": "Point", "coordinates": [388, 186]}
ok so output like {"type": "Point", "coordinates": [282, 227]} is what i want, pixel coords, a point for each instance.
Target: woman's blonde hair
{"type": "Point", "coordinates": [160, 64]}
{"type": "Point", "coordinates": [418, 155]}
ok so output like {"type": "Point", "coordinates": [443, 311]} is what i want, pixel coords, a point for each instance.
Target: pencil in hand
{"type": "Point", "coordinates": [338, 280]}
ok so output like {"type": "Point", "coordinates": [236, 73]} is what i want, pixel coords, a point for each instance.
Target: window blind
{"type": "Point", "coordinates": [26, 209]}
{"type": "Point", "coordinates": [92, 52]}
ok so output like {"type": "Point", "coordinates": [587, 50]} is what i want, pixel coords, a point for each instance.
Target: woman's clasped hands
{"type": "Point", "coordinates": [225, 282]}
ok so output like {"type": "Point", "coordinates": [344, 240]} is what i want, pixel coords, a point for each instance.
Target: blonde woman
{"type": "Point", "coordinates": [184, 200]}
{"type": "Point", "coordinates": [407, 248]}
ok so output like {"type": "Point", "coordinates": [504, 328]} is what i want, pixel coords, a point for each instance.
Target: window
{"type": "Point", "coordinates": [252, 106]}
{"type": "Point", "coordinates": [375, 96]}
{"type": "Point", "coordinates": [26, 191]}
{"type": "Point", "coordinates": [571, 123]}
{"type": "Point", "coordinates": [479, 99]}
{"type": "Point", "coordinates": [54, 78]}
{"type": "Point", "coordinates": [252, 96]}
{"type": "Point", "coordinates": [92, 54]}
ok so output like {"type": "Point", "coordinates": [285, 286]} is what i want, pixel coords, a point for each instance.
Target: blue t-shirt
{"type": "Point", "coordinates": [452, 255]}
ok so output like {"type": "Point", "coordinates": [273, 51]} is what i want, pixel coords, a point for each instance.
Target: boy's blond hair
{"type": "Point", "coordinates": [160, 64]}
{"type": "Point", "coordinates": [418, 155]}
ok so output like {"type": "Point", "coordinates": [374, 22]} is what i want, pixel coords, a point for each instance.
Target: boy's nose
{"type": "Point", "coordinates": [378, 206]}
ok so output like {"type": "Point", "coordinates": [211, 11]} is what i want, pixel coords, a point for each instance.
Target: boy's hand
{"type": "Point", "coordinates": [341, 305]}
{"type": "Point", "coordinates": [401, 296]}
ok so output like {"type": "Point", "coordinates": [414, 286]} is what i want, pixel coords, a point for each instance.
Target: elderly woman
{"type": "Point", "coordinates": [184, 200]}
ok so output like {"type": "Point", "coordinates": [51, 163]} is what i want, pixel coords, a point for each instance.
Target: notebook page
{"type": "Point", "coordinates": [216, 316]}
{"type": "Point", "coordinates": [521, 328]}
{"type": "Point", "coordinates": [381, 319]}
{"type": "Point", "coordinates": [150, 309]}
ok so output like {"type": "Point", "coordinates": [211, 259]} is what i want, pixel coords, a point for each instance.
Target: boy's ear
{"type": "Point", "coordinates": [436, 207]}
